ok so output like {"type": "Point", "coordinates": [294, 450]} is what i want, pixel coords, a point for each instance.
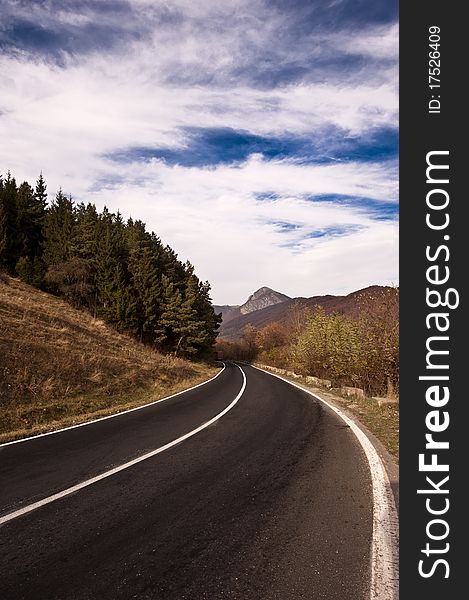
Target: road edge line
{"type": "Point", "coordinates": [117, 414]}
{"type": "Point", "coordinates": [385, 545]}
{"type": "Point", "coordinates": [79, 486]}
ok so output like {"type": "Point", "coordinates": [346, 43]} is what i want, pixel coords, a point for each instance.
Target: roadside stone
{"type": "Point", "coordinates": [382, 401]}
{"type": "Point", "coordinates": [353, 391]}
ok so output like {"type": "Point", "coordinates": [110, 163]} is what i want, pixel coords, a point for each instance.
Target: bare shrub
{"type": "Point", "coordinates": [358, 350]}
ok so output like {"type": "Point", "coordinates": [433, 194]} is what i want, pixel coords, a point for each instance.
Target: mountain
{"type": "Point", "coordinates": [228, 312]}
{"type": "Point", "coordinates": [232, 327]}
{"type": "Point", "coordinates": [262, 298]}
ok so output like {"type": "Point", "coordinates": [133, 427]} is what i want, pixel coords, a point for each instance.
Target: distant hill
{"type": "Point", "coordinates": [228, 312]}
{"type": "Point", "coordinates": [59, 365]}
{"type": "Point", "coordinates": [232, 327]}
{"type": "Point", "coordinates": [264, 297]}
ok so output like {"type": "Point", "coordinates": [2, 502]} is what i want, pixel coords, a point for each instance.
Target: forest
{"type": "Point", "coordinates": [114, 269]}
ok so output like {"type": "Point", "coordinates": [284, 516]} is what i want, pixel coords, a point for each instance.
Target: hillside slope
{"type": "Point", "coordinates": [279, 312]}
{"type": "Point", "coordinates": [59, 365]}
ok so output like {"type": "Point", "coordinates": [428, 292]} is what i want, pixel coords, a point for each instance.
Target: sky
{"type": "Point", "coordinates": [258, 138]}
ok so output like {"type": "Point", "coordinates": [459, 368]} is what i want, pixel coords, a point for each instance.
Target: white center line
{"type": "Point", "coordinates": [118, 414]}
{"type": "Point", "coordinates": [131, 463]}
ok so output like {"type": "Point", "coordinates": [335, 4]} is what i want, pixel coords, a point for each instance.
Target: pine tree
{"type": "Point", "coordinates": [167, 334]}
{"type": "Point", "coordinates": [208, 315]}
{"type": "Point", "coordinates": [3, 229]}
{"type": "Point", "coordinates": [9, 242]}
{"type": "Point", "coordinates": [31, 210]}
{"type": "Point", "coordinates": [85, 232]}
{"type": "Point", "coordinates": [31, 214]}
{"type": "Point", "coordinates": [110, 271]}
{"type": "Point", "coordinates": [58, 230]}
{"type": "Point", "coordinates": [40, 193]}
{"type": "Point", "coordinates": [186, 324]}
{"type": "Point", "coordinates": [174, 268]}
{"type": "Point", "coordinates": [84, 246]}
{"type": "Point", "coordinates": [194, 334]}
{"type": "Point", "coordinates": [146, 284]}
{"type": "Point", "coordinates": [145, 271]}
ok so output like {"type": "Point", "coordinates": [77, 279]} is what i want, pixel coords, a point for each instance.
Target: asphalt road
{"type": "Point", "coordinates": [272, 501]}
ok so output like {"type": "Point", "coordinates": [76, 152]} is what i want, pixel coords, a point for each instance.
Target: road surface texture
{"type": "Point", "coordinates": [271, 501]}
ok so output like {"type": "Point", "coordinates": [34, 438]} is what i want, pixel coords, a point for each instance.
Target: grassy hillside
{"type": "Point", "coordinates": [59, 366]}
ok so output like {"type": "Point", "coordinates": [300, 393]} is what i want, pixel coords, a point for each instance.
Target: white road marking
{"type": "Point", "coordinates": [385, 540]}
{"type": "Point", "coordinates": [124, 412]}
{"type": "Point", "coordinates": [131, 463]}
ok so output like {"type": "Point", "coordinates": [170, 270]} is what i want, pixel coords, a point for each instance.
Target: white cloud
{"type": "Point", "coordinates": [213, 218]}
{"type": "Point", "coordinates": [63, 121]}
{"type": "Point", "coordinates": [376, 42]}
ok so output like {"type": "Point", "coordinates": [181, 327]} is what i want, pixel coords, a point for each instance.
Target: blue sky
{"type": "Point", "coordinates": [258, 138]}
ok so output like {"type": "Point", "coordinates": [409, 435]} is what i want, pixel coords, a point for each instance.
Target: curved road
{"type": "Point", "coordinates": [271, 501]}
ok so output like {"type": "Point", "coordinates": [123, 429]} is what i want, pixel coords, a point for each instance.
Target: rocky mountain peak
{"type": "Point", "coordinates": [262, 298]}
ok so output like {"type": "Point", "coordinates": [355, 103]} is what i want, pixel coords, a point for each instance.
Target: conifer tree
{"type": "Point", "coordinates": [208, 316]}
{"type": "Point", "coordinates": [84, 247]}
{"type": "Point", "coordinates": [30, 223]}
{"type": "Point", "coordinates": [3, 229]}
{"type": "Point", "coordinates": [85, 233]}
{"type": "Point", "coordinates": [174, 268]}
{"type": "Point", "coordinates": [31, 219]}
{"type": "Point", "coordinates": [110, 273]}
{"type": "Point", "coordinates": [144, 284]}
{"type": "Point", "coordinates": [9, 243]}
{"type": "Point", "coordinates": [58, 230]}
{"type": "Point", "coordinates": [40, 192]}
{"type": "Point", "coordinates": [145, 281]}
{"type": "Point", "coordinates": [167, 334]}
{"type": "Point", "coordinates": [197, 296]}
{"type": "Point", "coordinates": [194, 334]}
{"type": "Point", "coordinates": [31, 214]}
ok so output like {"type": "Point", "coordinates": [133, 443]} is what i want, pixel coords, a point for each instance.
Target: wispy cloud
{"type": "Point", "coordinates": [215, 122]}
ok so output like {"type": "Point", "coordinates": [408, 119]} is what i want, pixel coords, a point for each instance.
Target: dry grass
{"type": "Point", "coordinates": [383, 420]}
{"type": "Point", "coordinates": [60, 366]}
